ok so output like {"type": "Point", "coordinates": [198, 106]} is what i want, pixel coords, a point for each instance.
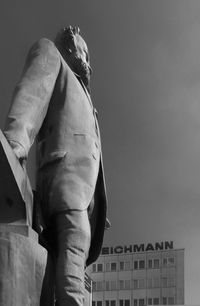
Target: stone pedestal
{"type": "Point", "coordinates": [25, 269]}
{"type": "Point", "coordinates": [16, 197]}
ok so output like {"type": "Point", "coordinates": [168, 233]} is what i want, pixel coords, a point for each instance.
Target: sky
{"type": "Point", "coordinates": [145, 56]}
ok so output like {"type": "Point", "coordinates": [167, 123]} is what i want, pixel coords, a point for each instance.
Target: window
{"type": "Point", "coordinates": [164, 301]}
{"type": "Point", "coordinates": [153, 263]}
{"type": "Point", "coordinates": [150, 301]}
{"type": "Point", "coordinates": [150, 263]}
{"type": "Point", "coordinates": [141, 302]}
{"type": "Point", "coordinates": [135, 302]}
{"type": "Point", "coordinates": [141, 264]}
{"type": "Point", "coordinates": [149, 283]}
{"type": "Point", "coordinates": [135, 284]}
{"type": "Point", "coordinates": [124, 265]}
{"type": "Point", "coordinates": [168, 261]}
{"type": "Point", "coordinates": [107, 266]}
{"type": "Point", "coordinates": [156, 301]}
{"type": "Point", "coordinates": [110, 303]}
{"type": "Point", "coordinates": [121, 284]}
{"type": "Point", "coordinates": [171, 282]}
{"type": "Point", "coordinates": [171, 261]}
{"type": "Point", "coordinates": [135, 265]}
{"type": "Point", "coordinates": [121, 265]}
{"type": "Point", "coordinates": [127, 303]}
{"type": "Point", "coordinates": [113, 285]}
{"type": "Point", "coordinates": [156, 282]}
{"type": "Point", "coordinates": [97, 303]}
{"type": "Point", "coordinates": [94, 286]}
{"type": "Point", "coordinates": [168, 282]}
{"type": "Point", "coordinates": [124, 302]}
{"type": "Point", "coordinates": [171, 301]}
{"type": "Point", "coordinates": [107, 285]}
{"type": "Point", "coordinates": [113, 266]}
{"type": "Point", "coordinates": [156, 263]}
{"type": "Point", "coordinates": [127, 284]}
{"type": "Point", "coordinates": [164, 282]}
{"type": "Point", "coordinates": [94, 268]}
{"type": "Point", "coordinates": [127, 265]}
{"type": "Point", "coordinates": [164, 262]}
{"type": "Point", "coordinates": [100, 267]}
{"type": "Point", "coordinates": [99, 286]}
{"type": "Point", "coordinates": [124, 284]}
{"type": "Point", "coordinates": [141, 284]}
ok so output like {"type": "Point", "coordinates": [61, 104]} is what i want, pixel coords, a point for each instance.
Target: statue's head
{"type": "Point", "coordinates": [75, 52]}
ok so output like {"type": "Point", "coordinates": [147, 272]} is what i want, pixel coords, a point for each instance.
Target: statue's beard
{"type": "Point", "coordinates": [83, 70]}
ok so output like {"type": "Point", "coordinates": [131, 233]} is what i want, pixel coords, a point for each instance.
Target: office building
{"type": "Point", "coordinates": [138, 275]}
{"type": "Point", "coordinates": [88, 291]}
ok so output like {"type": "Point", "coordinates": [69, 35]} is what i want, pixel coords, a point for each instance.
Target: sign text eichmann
{"type": "Point", "coordinates": [135, 248]}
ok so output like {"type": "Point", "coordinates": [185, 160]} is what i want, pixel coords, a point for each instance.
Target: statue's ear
{"type": "Point", "coordinates": [71, 45]}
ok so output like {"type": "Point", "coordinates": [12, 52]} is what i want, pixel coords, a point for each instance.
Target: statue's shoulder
{"type": "Point", "coordinates": [45, 45]}
{"type": "Point", "coordinates": [46, 42]}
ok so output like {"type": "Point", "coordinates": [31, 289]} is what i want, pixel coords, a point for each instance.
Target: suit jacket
{"type": "Point", "coordinates": [51, 103]}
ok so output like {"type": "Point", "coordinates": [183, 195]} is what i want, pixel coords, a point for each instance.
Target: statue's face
{"type": "Point", "coordinates": [74, 50]}
{"type": "Point", "coordinates": [81, 50]}
{"type": "Point", "coordinates": [78, 59]}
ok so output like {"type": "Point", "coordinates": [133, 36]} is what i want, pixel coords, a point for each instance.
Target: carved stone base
{"type": "Point", "coordinates": [25, 270]}
{"type": "Point", "coordinates": [16, 197]}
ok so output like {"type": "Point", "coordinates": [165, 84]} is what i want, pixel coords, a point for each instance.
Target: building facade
{"type": "Point", "coordinates": [88, 291]}
{"type": "Point", "coordinates": [138, 275]}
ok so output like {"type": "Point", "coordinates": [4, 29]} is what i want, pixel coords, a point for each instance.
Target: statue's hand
{"type": "Point", "coordinates": [19, 152]}
{"type": "Point", "coordinates": [108, 224]}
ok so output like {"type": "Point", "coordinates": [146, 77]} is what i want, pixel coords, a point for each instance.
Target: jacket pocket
{"type": "Point", "coordinates": [87, 145]}
{"type": "Point", "coordinates": [52, 157]}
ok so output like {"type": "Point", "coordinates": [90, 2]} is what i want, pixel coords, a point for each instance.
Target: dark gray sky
{"type": "Point", "coordinates": [146, 87]}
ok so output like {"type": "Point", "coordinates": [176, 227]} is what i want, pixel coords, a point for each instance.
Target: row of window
{"type": "Point", "coordinates": [137, 264]}
{"type": "Point", "coordinates": [135, 284]}
{"type": "Point", "coordinates": [137, 302]}
{"type": "Point", "coordinates": [154, 301]}
{"type": "Point", "coordinates": [125, 302]}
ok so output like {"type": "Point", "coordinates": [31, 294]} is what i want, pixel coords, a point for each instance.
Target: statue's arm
{"type": "Point", "coordinates": [31, 96]}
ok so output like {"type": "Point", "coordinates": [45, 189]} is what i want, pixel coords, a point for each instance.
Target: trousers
{"type": "Point", "coordinates": [73, 238]}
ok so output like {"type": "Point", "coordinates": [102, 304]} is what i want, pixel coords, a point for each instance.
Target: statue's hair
{"type": "Point", "coordinates": [65, 36]}
{"type": "Point", "coordinates": [65, 43]}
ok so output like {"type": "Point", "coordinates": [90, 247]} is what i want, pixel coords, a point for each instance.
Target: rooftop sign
{"type": "Point", "coordinates": [135, 248]}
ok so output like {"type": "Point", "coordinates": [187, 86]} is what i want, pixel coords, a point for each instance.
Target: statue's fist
{"type": "Point", "coordinates": [19, 152]}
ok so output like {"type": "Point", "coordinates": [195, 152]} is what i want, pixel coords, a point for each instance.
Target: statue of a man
{"type": "Point", "coordinates": [52, 103]}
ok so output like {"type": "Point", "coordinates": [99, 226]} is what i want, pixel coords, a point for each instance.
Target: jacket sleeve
{"type": "Point", "coordinates": [32, 96]}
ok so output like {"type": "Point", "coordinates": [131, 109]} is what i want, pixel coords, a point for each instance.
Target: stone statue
{"type": "Point", "coordinates": [52, 103]}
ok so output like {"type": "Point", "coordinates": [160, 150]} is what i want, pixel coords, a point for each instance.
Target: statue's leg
{"type": "Point", "coordinates": [74, 237]}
